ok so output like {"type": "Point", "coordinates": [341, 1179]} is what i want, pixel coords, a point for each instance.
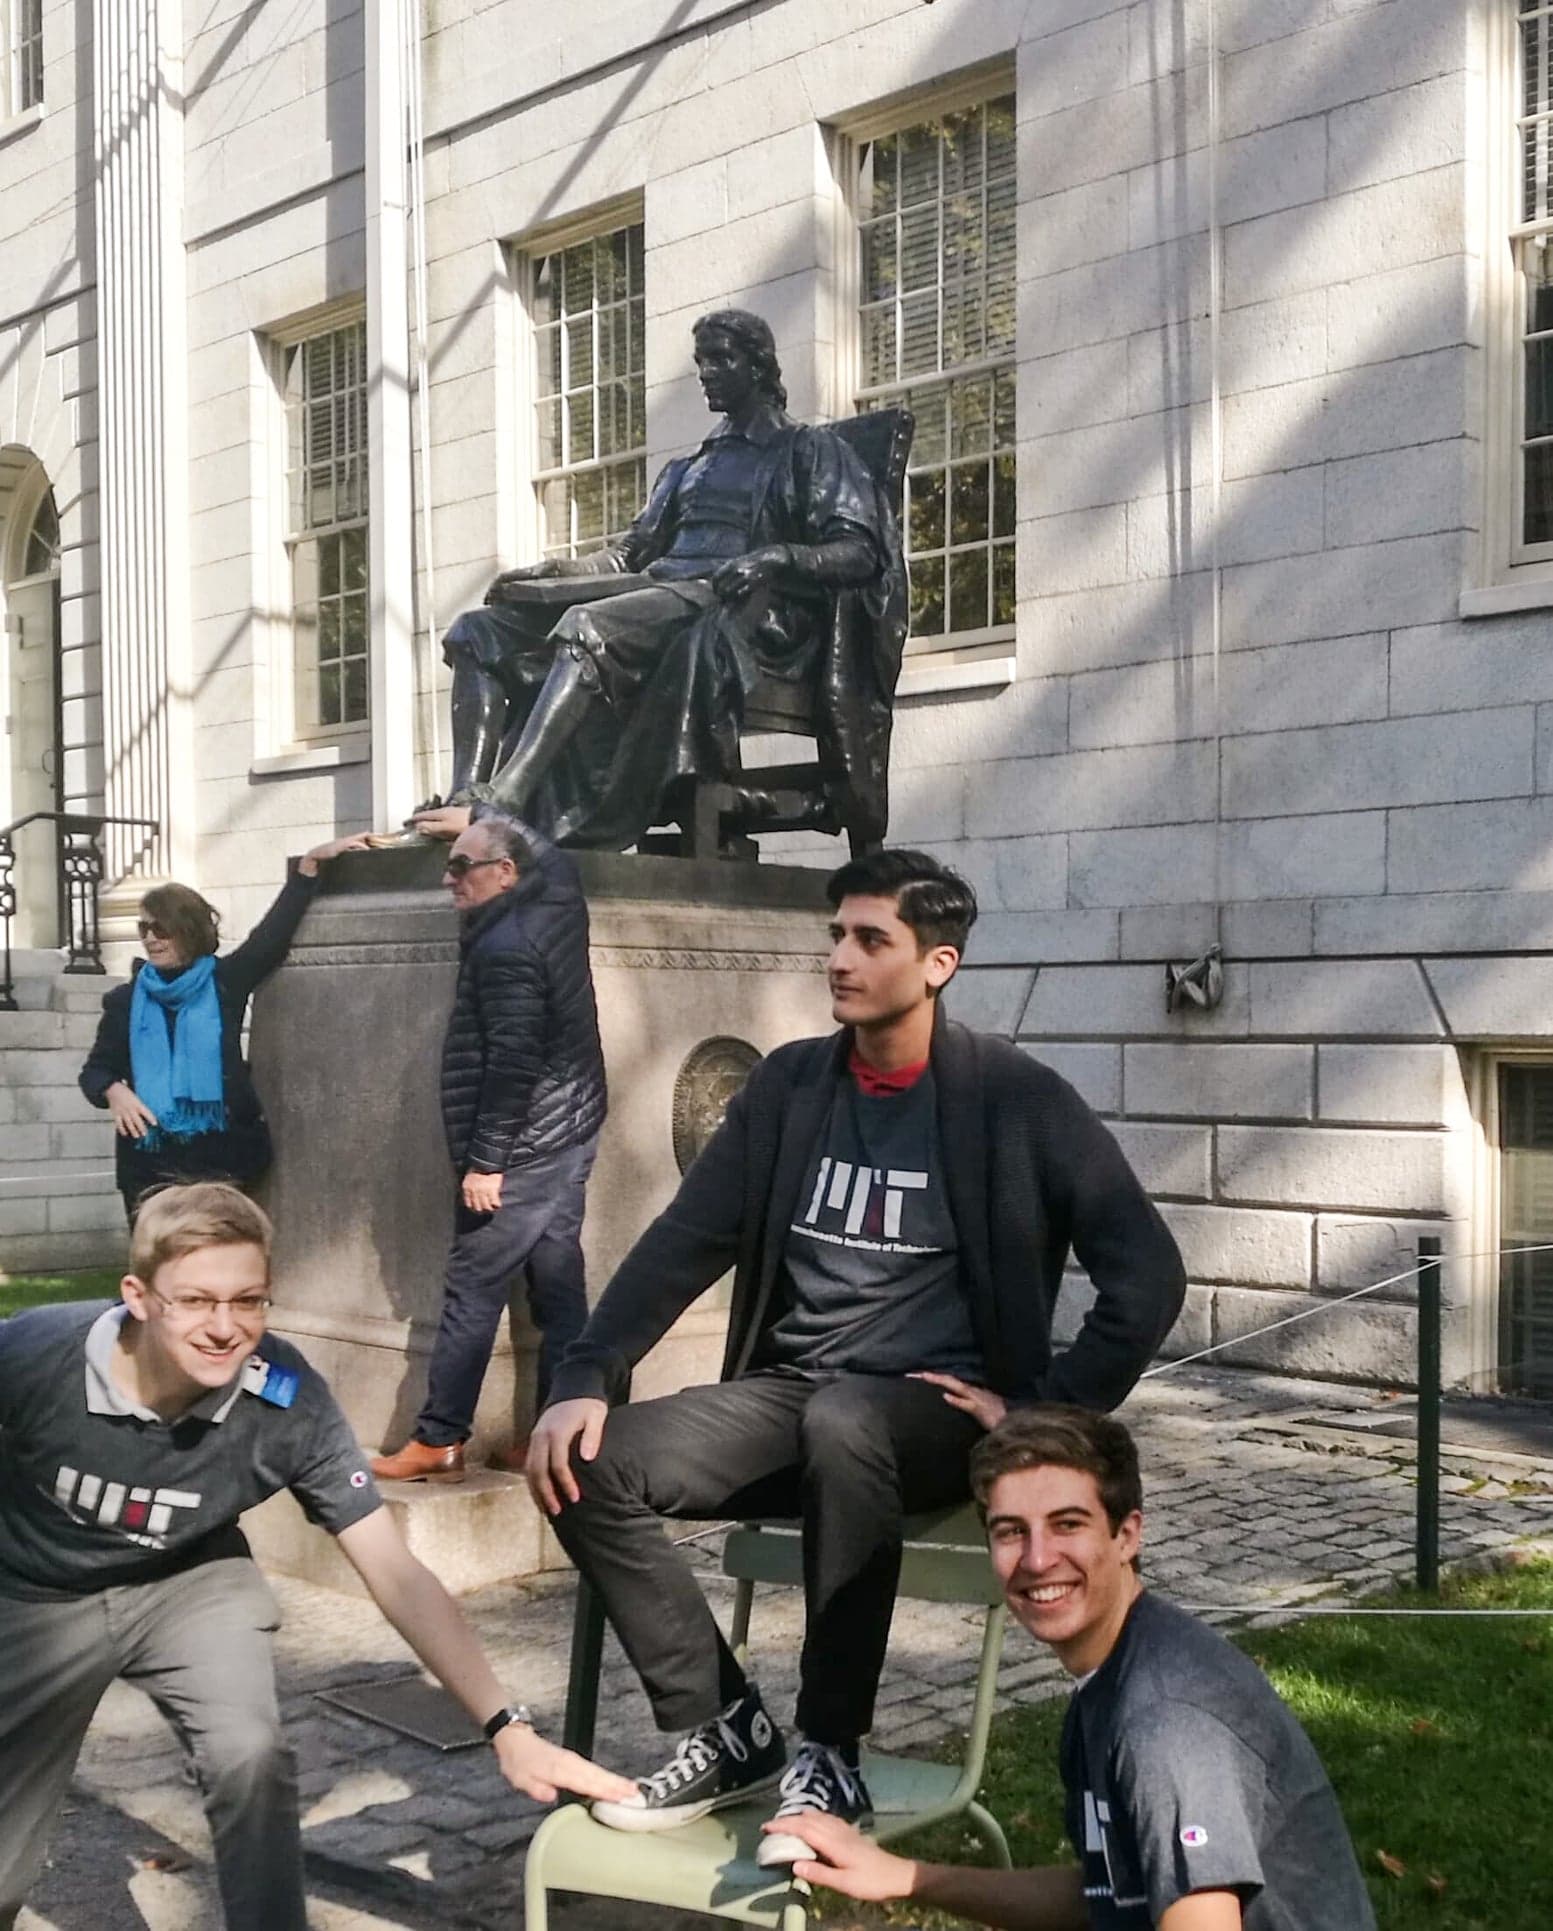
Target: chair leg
{"type": "Point", "coordinates": [536, 1901]}
{"type": "Point", "coordinates": [795, 1914]}
{"type": "Point", "coordinates": [990, 1831]}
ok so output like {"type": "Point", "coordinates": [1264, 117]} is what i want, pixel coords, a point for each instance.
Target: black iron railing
{"type": "Point", "coordinates": [78, 869]}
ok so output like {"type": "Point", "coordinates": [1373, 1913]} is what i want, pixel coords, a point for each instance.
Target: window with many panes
{"type": "Point", "coordinates": [1534, 248]}
{"type": "Point", "coordinates": [21, 86]}
{"type": "Point", "coordinates": [1525, 1324]}
{"type": "Point", "coordinates": [587, 309]}
{"type": "Point", "coordinates": [324, 386]}
{"type": "Point", "coordinates": [936, 216]}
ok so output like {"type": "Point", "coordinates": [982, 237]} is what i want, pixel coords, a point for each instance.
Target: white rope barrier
{"type": "Point", "coordinates": [1293, 1609]}
{"type": "Point", "coordinates": [1327, 1303]}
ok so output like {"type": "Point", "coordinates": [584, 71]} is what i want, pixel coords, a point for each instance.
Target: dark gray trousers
{"type": "Point", "coordinates": [199, 1645]}
{"type": "Point", "coordinates": [851, 1454]}
{"type": "Point", "coordinates": [536, 1232]}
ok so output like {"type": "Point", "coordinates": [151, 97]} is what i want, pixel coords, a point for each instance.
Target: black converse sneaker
{"type": "Point", "coordinates": [819, 1779]}
{"type": "Point", "coordinates": [723, 1762]}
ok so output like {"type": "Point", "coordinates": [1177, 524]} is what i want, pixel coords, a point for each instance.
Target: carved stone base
{"type": "Point", "coordinates": [347, 1042]}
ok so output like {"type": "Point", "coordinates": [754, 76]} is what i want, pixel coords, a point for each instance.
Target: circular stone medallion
{"type": "Point", "coordinates": [712, 1073]}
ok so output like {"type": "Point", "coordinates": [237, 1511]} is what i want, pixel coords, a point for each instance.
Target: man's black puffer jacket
{"type": "Point", "coordinates": [522, 1068]}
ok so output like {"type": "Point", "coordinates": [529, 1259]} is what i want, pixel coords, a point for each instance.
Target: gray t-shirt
{"type": "Point", "coordinates": [872, 1261]}
{"type": "Point", "coordinates": [1185, 1771]}
{"type": "Point", "coordinates": [95, 1491]}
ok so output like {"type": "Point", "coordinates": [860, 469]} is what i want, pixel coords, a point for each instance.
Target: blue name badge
{"type": "Point", "coordinates": [275, 1384]}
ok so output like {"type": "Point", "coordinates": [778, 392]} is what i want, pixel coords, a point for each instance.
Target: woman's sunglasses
{"type": "Point", "coordinates": [149, 929]}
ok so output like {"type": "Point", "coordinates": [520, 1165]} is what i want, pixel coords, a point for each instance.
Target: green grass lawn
{"type": "Point", "coordinates": [1438, 1737]}
{"type": "Point", "coordinates": [32, 1290]}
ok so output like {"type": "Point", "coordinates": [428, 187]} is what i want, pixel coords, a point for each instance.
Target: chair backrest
{"type": "Point", "coordinates": [882, 438]}
{"type": "Point", "coordinates": [944, 1559]}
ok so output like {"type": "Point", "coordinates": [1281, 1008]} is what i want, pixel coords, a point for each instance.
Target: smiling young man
{"type": "Point", "coordinates": [1194, 1799]}
{"type": "Point", "coordinates": [132, 1436]}
{"type": "Point", "coordinates": [897, 1202]}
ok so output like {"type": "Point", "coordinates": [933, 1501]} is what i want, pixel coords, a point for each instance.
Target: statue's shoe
{"type": "Point", "coordinates": [385, 841]}
{"type": "Point", "coordinates": [421, 1462]}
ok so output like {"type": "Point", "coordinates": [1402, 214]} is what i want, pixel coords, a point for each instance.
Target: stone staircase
{"type": "Point", "coordinates": [59, 1208]}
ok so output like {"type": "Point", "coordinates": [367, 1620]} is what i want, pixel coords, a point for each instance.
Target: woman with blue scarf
{"type": "Point", "coordinates": [168, 1061]}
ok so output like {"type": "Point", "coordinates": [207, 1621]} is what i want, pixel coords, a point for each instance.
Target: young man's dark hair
{"type": "Point", "coordinates": [938, 905]}
{"type": "Point", "coordinates": [1054, 1435]}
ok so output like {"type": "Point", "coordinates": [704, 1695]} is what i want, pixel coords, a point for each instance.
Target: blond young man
{"type": "Point", "coordinates": [132, 1436]}
{"type": "Point", "coordinates": [1194, 1799]}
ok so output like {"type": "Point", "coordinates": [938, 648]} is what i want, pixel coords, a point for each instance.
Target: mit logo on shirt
{"type": "Point", "coordinates": [143, 1514]}
{"type": "Point", "coordinates": [843, 1189]}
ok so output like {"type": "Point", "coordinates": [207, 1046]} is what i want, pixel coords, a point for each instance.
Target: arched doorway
{"type": "Point", "coordinates": [33, 754]}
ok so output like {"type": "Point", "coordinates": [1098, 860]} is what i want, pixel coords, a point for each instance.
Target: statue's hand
{"type": "Point", "coordinates": [525, 573]}
{"type": "Point", "coordinates": [744, 574]}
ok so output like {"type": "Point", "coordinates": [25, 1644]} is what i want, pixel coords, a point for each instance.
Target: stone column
{"type": "Point", "coordinates": [391, 537]}
{"type": "Point", "coordinates": [143, 449]}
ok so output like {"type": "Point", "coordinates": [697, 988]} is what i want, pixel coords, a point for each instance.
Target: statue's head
{"type": "Point", "coordinates": [751, 335]}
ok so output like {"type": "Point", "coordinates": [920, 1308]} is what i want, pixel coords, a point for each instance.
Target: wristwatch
{"type": "Point", "coordinates": [512, 1713]}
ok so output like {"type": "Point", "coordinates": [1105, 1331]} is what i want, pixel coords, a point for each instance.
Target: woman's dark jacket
{"type": "Point", "coordinates": [1030, 1172]}
{"type": "Point", "coordinates": [242, 1150]}
{"type": "Point", "coordinates": [522, 1067]}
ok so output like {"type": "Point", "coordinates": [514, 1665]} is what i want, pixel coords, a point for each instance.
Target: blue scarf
{"type": "Point", "coordinates": [180, 1079]}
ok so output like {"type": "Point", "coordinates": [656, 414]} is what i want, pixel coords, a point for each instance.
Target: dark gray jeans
{"type": "Point", "coordinates": [198, 1644]}
{"type": "Point", "coordinates": [849, 1453]}
{"type": "Point", "coordinates": [536, 1232]}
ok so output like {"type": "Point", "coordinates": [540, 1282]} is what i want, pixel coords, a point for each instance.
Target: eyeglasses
{"type": "Point", "coordinates": [195, 1307]}
{"type": "Point", "coordinates": [457, 866]}
{"type": "Point", "coordinates": [149, 929]}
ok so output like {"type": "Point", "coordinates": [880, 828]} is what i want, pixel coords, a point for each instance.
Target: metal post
{"type": "Point", "coordinates": [7, 911]}
{"type": "Point", "coordinates": [1427, 1539]}
{"type": "Point", "coordinates": [80, 867]}
{"type": "Point", "coordinates": [582, 1690]}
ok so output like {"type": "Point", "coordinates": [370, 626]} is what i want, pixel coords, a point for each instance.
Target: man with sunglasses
{"type": "Point", "coordinates": [132, 1437]}
{"type": "Point", "coordinates": [523, 1100]}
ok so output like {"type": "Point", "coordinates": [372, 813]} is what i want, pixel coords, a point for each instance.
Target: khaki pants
{"type": "Point", "coordinates": [199, 1645]}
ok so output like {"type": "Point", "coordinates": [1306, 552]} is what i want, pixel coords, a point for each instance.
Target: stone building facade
{"type": "Point", "coordinates": [1231, 517]}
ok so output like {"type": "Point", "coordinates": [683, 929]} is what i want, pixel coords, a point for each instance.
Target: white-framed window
{"type": "Point", "coordinates": [1532, 537]}
{"type": "Point", "coordinates": [322, 381]}
{"type": "Point", "coordinates": [587, 318]}
{"type": "Point", "coordinates": [1513, 566]}
{"type": "Point", "coordinates": [21, 28]}
{"type": "Point", "coordinates": [1517, 1337]}
{"type": "Point", "coordinates": [934, 201]}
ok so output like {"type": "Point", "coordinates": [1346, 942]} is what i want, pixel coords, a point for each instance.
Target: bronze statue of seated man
{"type": "Point", "coordinates": [582, 723]}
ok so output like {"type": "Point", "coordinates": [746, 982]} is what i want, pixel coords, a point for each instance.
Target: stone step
{"type": "Point", "coordinates": [37, 1252]}
{"type": "Point", "coordinates": [470, 1534]}
{"type": "Point", "coordinates": [22, 1174]}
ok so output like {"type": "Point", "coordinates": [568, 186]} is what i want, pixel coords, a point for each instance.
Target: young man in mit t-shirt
{"type": "Point", "coordinates": [1194, 1799]}
{"type": "Point", "coordinates": [897, 1202]}
{"type": "Point", "coordinates": [132, 1436]}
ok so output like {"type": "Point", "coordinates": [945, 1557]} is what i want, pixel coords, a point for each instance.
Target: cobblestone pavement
{"type": "Point", "coordinates": [1259, 1491]}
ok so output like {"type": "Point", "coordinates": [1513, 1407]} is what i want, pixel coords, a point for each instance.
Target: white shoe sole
{"type": "Point", "coordinates": [638, 1817]}
{"type": "Point", "coordinates": [778, 1850]}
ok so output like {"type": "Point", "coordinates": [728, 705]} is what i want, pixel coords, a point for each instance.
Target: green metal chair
{"type": "Point", "coordinates": [710, 1865]}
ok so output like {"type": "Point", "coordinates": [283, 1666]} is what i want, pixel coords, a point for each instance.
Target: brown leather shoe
{"type": "Point", "coordinates": [420, 1462]}
{"type": "Point", "coordinates": [513, 1460]}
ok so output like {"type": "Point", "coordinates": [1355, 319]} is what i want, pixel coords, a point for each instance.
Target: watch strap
{"type": "Point", "coordinates": [509, 1713]}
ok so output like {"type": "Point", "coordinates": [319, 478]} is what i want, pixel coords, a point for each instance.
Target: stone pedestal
{"type": "Point", "coordinates": [347, 1042]}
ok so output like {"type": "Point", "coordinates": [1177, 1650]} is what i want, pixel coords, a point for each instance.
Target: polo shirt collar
{"type": "Point", "coordinates": [104, 1396]}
